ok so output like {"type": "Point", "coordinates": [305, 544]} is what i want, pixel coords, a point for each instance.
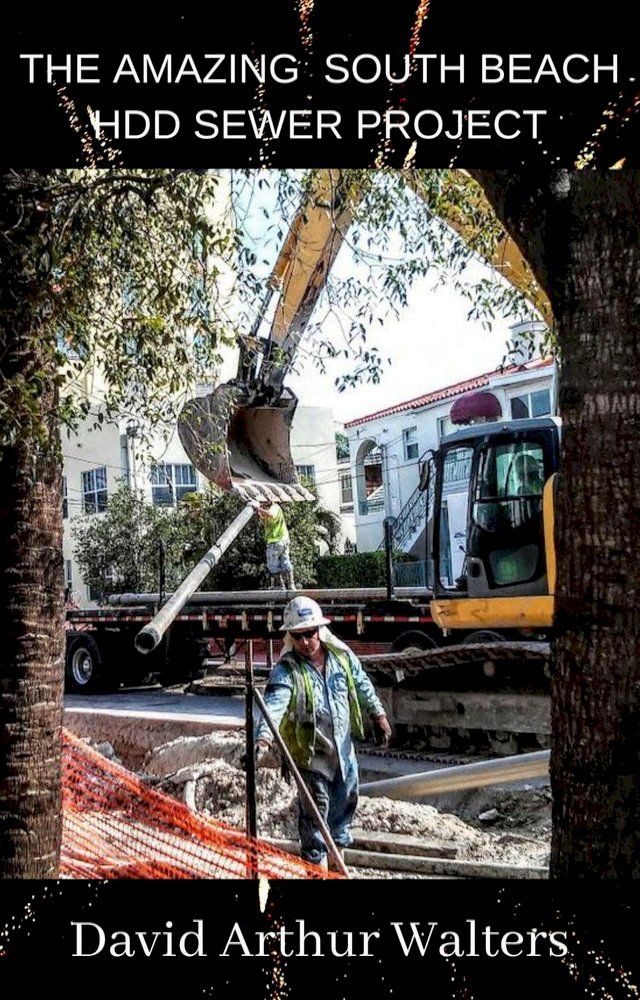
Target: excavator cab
{"type": "Point", "coordinates": [489, 494]}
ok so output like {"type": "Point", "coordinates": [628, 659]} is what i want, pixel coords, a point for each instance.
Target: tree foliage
{"type": "Point", "coordinates": [406, 224]}
{"type": "Point", "coordinates": [131, 274]}
{"type": "Point", "coordinates": [148, 275]}
{"type": "Point", "coordinates": [119, 551]}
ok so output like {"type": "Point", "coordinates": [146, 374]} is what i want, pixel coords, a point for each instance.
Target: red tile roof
{"type": "Point", "coordinates": [478, 382]}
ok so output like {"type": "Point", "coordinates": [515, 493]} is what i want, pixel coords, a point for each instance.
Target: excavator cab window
{"type": "Point", "coordinates": [506, 543]}
{"type": "Point", "coordinates": [456, 470]}
{"type": "Point", "coordinates": [487, 537]}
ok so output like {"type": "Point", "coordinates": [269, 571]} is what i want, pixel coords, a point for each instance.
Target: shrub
{"type": "Point", "coordinates": [361, 569]}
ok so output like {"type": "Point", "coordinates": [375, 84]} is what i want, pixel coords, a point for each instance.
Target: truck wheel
{"type": "Point", "coordinates": [412, 640]}
{"type": "Point", "coordinates": [483, 635]}
{"type": "Point", "coordinates": [83, 665]}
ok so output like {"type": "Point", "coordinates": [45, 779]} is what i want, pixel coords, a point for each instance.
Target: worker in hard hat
{"type": "Point", "coordinates": [317, 694]}
{"type": "Point", "coordinates": [276, 536]}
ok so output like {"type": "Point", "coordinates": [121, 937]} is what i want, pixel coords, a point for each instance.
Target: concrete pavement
{"type": "Point", "coordinates": [136, 721]}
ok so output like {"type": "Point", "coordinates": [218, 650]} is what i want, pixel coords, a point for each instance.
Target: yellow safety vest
{"type": "Point", "coordinates": [298, 727]}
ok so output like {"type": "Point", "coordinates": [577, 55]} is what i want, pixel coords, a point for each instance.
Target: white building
{"type": "Point", "coordinates": [314, 453]}
{"type": "Point", "coordinates": [96, 461]}
{"type": "Point", "coordinates": [347, 512]}
{"type": "Point", "coordinates": [386, 447]}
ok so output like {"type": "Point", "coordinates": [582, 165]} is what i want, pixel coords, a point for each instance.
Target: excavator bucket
{"type": "Point", "coordinates": [239, 435]}
{"type": "Point", "coordinates": [242, 446]}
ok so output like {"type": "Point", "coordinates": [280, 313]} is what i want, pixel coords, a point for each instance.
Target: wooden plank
{"type": "Point", "coordinates": [400, 843]}
{"type": "Point", "coordinates": [450, 867]}
{"type": "Point", "coordinates": [438, 867]}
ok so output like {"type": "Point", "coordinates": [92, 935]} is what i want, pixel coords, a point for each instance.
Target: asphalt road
{"type": "Point", "coordinates": [160, 703]}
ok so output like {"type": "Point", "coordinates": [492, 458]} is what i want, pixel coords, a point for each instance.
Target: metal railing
{"type": "Point", "coordinates": [410, 574]}
{"type": "Point", "coordinates": [372, 505]}
{"type": "Point", "coordinates": [411, 518]}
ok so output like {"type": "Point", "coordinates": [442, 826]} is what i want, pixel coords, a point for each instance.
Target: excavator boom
{"type": "Point", "coordinates": [238, 436]}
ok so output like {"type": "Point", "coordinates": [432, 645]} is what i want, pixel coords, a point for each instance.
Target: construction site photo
{"type": "Point", "coordinates": [394, 721]}
{"type": "Point", "coordinates": [161, 783]}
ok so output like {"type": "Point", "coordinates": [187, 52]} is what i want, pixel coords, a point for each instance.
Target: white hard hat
{"type": "Point", "coordinates": [302, 613]}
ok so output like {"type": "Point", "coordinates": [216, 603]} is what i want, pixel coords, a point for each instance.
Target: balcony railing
{"type": "Point", "coordinates": [457, 468]}
{"type": "Point", "coordinates": [371, 506]}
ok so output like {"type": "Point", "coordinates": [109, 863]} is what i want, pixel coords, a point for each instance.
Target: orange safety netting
{"type": "Point", "coordinates": [115, 826]}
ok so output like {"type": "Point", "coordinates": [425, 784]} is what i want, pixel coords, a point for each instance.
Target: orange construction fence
{"type": "Point", "coordinates": [115, 826]}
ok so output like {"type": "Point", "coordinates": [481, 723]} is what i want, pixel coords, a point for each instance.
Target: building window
{"type": "Point", "coordinates": [531, 404]}
{"type": "Point", "coordinates": [444, 427]}
{"type": "Point", "coordinates": [94, 490]}
{"type": "Point", "coordinates": [306, 474]}
{"type": "Point", "coordinates": [65, 498]}
{"type": "Point", "coordinates": [342, 447]}
{"type": "Point", "coordinates": [410, 442]}
{"type": "Point", "coordinates": [169, 483]}
{"type": "Point", "coordinates": [346, 489]}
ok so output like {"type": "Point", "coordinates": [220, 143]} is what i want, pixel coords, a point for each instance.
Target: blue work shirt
{"type": "Point", "coordinates": [331, 707]}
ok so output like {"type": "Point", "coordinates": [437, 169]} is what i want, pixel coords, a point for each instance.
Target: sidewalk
{"type": "Point", "coordinates": [136, 721]}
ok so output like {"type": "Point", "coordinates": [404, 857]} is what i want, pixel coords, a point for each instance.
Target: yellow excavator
{"type": "Point", "coordinates": [489, 626]}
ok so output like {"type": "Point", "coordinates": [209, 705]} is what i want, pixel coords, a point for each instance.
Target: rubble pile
{"type": "Point", "coordinates": [206, 771]}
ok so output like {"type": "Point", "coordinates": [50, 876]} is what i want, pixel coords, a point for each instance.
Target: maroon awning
{"type": "Point", "coordinates": [475, 406]}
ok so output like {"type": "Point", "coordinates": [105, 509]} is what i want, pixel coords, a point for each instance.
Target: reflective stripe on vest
{"type": "Point", "coordinates": [298, 728]}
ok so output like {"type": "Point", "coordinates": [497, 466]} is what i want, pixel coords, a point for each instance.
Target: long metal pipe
{"type": "Point", "coordinates": [148, 637]}
{"type": "Point", "coordinates": [453, 779]}
{"type": "Point", "coordinates": [357, 594]}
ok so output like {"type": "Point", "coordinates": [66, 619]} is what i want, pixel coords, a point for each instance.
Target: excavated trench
{"type": "Point", "coordinates": [497, 826]}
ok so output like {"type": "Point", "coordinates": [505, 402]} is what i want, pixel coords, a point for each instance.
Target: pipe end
{"type": "Point", "coordinates": [147, 639]}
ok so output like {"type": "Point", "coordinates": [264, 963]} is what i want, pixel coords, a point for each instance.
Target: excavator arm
{"type": "Point", "coordinates": [304, 263]}
{"type": "Point", "coordinates": [464, 215]}
{"type": "Point", "coordinates": [239, 435]}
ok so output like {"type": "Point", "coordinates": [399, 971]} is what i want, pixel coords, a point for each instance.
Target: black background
{"type": "Point", "coordinates": [601, 919]}
{"type": "Point", "coordinates": [37, 133]}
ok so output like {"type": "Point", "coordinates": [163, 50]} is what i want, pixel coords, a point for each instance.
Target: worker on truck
{"type": "Point", "coordinates": [276, 536]}
{"type": "Point", "coordinates": [317, 694]}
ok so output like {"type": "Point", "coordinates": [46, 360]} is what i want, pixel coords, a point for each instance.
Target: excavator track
{"type": "Point", "coordinates": [491, 696]}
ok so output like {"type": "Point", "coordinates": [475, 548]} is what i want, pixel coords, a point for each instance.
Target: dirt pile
{"type": "Point", "coordinates": [206, 772]}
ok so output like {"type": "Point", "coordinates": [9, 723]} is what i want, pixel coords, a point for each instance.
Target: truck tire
{"type": "Point", "coordinates": [83, 666]}
{"type": "Point", "coordinates": [483, 635]}
{"type": "Point", "coordinates": [414, 639]}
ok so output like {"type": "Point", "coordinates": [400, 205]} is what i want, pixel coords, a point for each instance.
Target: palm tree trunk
{"type": "Point", "coordinates": [31, 578]}
{"type": "Point", "coordinates": [581, 234]}
{"type": "Point", "coordinates": [596, 677]}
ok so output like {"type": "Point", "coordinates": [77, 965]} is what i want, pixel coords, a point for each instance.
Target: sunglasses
{"type": "Point", "coordinates": [308, 634]}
